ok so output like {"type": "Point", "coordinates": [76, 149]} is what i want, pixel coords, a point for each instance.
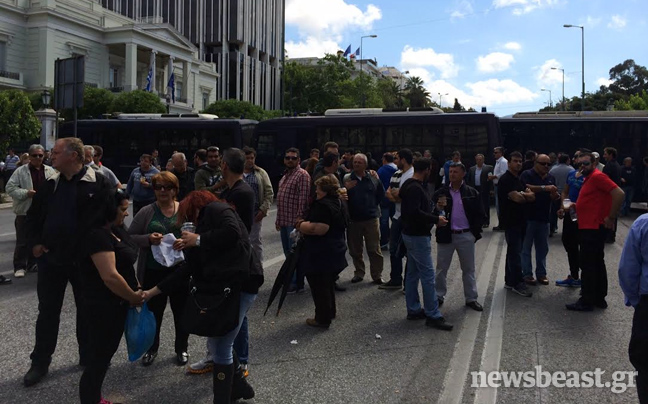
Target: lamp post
{"type": "Point", "coordinates": [441, 95]}
{"type": "Point", "coordinates": [361, 71]}
{"type": "Point", "coordinates": [46, 98]}
{"type": "Point", "coordinates": [550, 102]}
{"type": "Point", "coordinates": [563, 84]}
{"type": "Point", "coordinates": [582, 60]}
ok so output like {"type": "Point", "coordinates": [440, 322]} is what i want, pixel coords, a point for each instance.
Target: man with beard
{"type": "Point", "coordinates": [209, 176]}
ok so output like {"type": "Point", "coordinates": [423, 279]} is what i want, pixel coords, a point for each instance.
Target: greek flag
{"type": "Point", "coordinates": [149, 78]}
{"type": "Point", "coordinates": [171, 86]}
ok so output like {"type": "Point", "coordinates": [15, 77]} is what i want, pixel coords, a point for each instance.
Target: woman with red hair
{"type": "Point", "coordinates": [218, 256]}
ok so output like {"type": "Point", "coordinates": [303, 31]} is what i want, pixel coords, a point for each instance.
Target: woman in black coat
{"type": "Point", "coordinates": [323, 254]}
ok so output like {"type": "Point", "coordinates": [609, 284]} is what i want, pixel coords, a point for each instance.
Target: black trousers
{"type": "Point", "coordinates": [514, 239]}
{"type": "Point", "coordinates": [570, 242]}
{"type": "Point", "coordinates": [106, 327]}
{"type": "Point", "coordinates": [485, 200]}
{"type": "Point", "coordinates": [323, 290]}
{"type": "Point", "coordinates": [22, 258]}
{"type": "Point", "coordinates": [592, 261]}
{"type": "Point", "coordinates": [638, 349]}
{"type": "Point", "coordinates": [158, 304]}
{"type": "Point", "coordinates": [50, 288]}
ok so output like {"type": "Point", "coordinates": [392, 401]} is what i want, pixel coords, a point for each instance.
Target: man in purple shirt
{"type": "Point", "coordinates": [462, 206]}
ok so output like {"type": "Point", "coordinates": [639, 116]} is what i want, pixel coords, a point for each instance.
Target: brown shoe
{"type": "Point", "coordinates": [530, 280]}
{"type": "Point", "coordinates": [543, 280]}
{"type": "Point", "coordinates": [313, 323]}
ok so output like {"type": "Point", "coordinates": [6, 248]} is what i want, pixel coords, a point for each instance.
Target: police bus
{"type": "Point", "coordinates": [377, 130]}
{"type": "Point", "coordinates": [127, 136]}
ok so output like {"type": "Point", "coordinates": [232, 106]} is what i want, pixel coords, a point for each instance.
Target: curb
{"type": "Point", "coordinates": [6, 205]}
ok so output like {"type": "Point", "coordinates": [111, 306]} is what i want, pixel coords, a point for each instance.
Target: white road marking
{"type": "Point", "coordinates": [272, 261]}
{"type": "Point", "coordinates": [7, 234]}
{"type": "Point", "coordinates": [453, 385]}
{"type": "Point", "coordinates": [494, 335]}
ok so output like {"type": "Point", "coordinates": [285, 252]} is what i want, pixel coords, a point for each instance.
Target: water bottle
{"type": "Point", "coordinates": [572, 213]}
{"type": "Point", "coordinates": [188, 226]}
{"type": "Point", "coordinates": [442, 213]}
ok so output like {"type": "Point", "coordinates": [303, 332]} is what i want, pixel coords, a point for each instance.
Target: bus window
{"type": "Point", "coordinates": [476, 141]}
{"type": "Point", "coordinates": [394, 137]}
{"type": "Point", "coordinates": [266, 144]}
{"type": "Point", "coordinates": [340, 135]}
{"type": "Point", "coordinates": [374, 137]}
{"type": "Point", "coordinates": [357, 138]}
{"type": "Point", "coordinates": [413, 137]}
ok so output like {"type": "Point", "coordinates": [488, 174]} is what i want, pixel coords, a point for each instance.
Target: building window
{"type": "Point", "coordinates": [178, 90]}
{"type": "Point", "coordinates": [205, 100]}
{"type": "Point", "coordinates": [3, 56]}
{"type": "Point", "coordinates": [113, 77]}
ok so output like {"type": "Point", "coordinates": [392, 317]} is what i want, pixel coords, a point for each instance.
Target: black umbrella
{"type": "Point", "coordinates": [285, 276]}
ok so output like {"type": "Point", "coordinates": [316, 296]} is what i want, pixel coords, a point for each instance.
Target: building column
{"type": "Point", "coordinates": [186, 76]}
{"type": "Point", "coordinates": [46, 57]}
{"type": "Point", "coordinates": [130, 82]}
{"type": "Point", "coordinates": [47, 117]}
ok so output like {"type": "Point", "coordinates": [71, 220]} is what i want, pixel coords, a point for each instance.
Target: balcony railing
{"type": "Point", "coordinates": [92, 85]}
{"type": "Point", "coordinates": [116, 89]}
{"type": "Point", "coordinates": [9, 75]}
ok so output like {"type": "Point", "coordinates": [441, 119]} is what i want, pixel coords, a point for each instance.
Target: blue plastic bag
{"type": "Point", "coordinates": [139, 331]}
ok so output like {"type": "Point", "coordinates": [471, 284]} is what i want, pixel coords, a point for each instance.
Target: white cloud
{"type": "Point", "coordinates": [329, 18]}
{"type": "Point", "coordinates": [494, 62]}
{"type": "Point", "coordinates": [412, 58]}
{"type": "Point", "coordinates": [617, 22]}
{"type": "Point", "coordinates": [602, 81]}
{"type": "Point", "coordinates": [592, 22]}
{"type": "Point", "coordinates": [486, 93]}
{"type": "Point", "coordinates": [512, 46]}
{"type": "Point", "coordinates": [321, 25]}
{"type": "Point", "coordinates": [461, 9]}
{"type": "Point", "coordinates": [311, 47]}
{"type": "Point", "coordinates": [524, 6]}
{"type": "Point", "coordinates": [546, 76]}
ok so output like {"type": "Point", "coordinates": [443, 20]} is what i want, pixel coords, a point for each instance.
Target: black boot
{"type": "Point", "coordinates": [240, 386]}
{"type": "Point", "coordinates": [223, 383]}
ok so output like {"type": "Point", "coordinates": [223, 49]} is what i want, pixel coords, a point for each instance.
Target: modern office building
{"type": "Point", "coordinates": [243, 38]}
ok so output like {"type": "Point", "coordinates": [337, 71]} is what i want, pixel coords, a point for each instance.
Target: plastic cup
{"type": "Point", "coordinates": [566, 204]}
{"type": "Point", "coordinates": [189, 227]}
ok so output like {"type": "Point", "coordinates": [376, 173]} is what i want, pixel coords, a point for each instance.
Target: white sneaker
{"type": "Point", "coordinates": [19, 273]}
{"type": "Point", "coordinates": [204, 365]}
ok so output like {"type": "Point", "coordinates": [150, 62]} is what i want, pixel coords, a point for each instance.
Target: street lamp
{"type": "Point", "coordinates": [361, 55]}
{"type": "Point", "coordinates": [46, 98]}
{"type": "Point", "coordinates": [550, 102]}
{"type": "Point", "coordinates": [563, 84]}
{"type": "Point", "coordinates": [582, 60]}
{"type": "Point", "coordinates": [440, 95]}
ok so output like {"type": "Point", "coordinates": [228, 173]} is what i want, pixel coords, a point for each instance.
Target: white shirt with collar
{"type": "Point", "coordinates": [501, 166]}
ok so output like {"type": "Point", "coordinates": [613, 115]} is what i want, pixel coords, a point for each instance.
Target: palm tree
{"type": "Point", "coordinates": [417, 95]}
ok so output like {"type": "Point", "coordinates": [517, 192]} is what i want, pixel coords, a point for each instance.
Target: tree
{"type": "Point", "coordinates": [457, 107]}
{"type": "Point", "coordinates": [96, 102]}
{"type": "Point", "coordinates": [239, 110]}
{"type": "Point", "coordinates": [416, 94]}
{"type": "Point", "coordinates": [390, 93]}
{"type": "Point", "coordinates": [628, 78]}
{"type": "Point", "coordinates": [17, 119]}
{"type": "Point", "coordinates": [138, 101]}
{"type": "Point", "coordinates": [634, 102]}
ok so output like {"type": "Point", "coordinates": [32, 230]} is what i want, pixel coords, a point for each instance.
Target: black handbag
{"type": "Point", "coordinates": [212, 313]}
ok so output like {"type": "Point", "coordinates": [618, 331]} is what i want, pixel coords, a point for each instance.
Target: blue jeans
{"type": "Point", "coordinates": [420, 267]}
{"type": "Point", "coordinates": [241, 343]}
{"type": "Point", "coordinates": [536, 233]}
{"type": "Point", "coordinates": [396, 251]}
{"type": "Point", "coordinates": [286, 242]}
{"type": "Point", "coordinates": [629, 194]}
{"type": "Point", "coordinates": [221, 347]}
{"type": "Point", "coordinates": [385, 214]}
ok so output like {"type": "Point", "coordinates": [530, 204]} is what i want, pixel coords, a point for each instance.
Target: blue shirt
{"type": "Point", "coordinates": [633, 266]}
{"type": "Point", "coordinates": [575, 185]}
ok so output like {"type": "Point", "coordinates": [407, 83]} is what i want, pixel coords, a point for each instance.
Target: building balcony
{"type": "Point", "coordinates": [116, 89]}
{"type": "Point", "coordinates": [11, 79]}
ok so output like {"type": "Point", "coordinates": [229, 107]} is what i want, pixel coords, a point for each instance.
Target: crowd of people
{"type": "Point", "coordinates": [70, 228]}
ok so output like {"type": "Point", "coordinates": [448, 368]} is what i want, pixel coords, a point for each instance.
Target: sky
{"type": "Point", "coordinates": [492, 53]}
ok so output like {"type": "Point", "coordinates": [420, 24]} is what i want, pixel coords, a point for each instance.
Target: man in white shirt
{"type": "Point", "coordinates": [396, 251]}
{"type": "Point", "coordinates": [501, 166]}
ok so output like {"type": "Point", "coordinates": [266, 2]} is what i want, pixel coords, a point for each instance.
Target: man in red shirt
{"type": "Point", "coordinates": [597, 206]}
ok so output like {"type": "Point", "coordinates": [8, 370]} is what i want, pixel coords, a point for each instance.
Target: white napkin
{"type": "Point", "coordinates": [164, 252]}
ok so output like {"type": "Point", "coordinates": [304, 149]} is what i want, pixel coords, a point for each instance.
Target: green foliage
{"type": "Point", "coordinates": [96, 102]}
{"type": "Point", "coordinates": [416, 94]}
{"type": "Point", "coordinates": [458, 107]}
{"type": "Point", "coordinates": [390, 93]}
{"type": "Point", "coordinates": [138, 101]}
{"type": "Point", "coordinates": [634, 102]}
{"type": "Point", "coordinates": [240, 110]}
{"type": "Point", "coordinates": [628, 78]}
{"type": "Point", "coordinates": [17, 119]}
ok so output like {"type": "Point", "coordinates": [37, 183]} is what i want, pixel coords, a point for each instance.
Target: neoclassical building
{"type": "Point", "coordinates": [217, 49]}
{"type": "Point", "coordinates": [243, 38]}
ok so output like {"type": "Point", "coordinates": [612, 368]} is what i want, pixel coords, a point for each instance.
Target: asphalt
{"type": "Point", "coordinates": [371, 353]}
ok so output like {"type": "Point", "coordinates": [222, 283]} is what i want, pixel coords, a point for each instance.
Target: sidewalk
{"type": "Point", "coordinates": [5, 201]}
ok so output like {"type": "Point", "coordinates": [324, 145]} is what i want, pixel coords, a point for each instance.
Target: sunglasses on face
{"type": "Point", "coordinates": [162, 187]}
{"type": "Point", "coordinates": [586, 163]}
{"type": "Point", "coordinates": [37, 156]}
{"type": "Point", "coordinates": [291, 158]}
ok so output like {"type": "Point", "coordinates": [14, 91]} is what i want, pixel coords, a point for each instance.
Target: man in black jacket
{"type": "Point", "coordinates": [62, 211]}
{"type": "Point", "coordinates": [462, 206]}
{"type": "Point", "coordinates": [613, 170]}
{"type": "Point", "coordinates": [418, 219]}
